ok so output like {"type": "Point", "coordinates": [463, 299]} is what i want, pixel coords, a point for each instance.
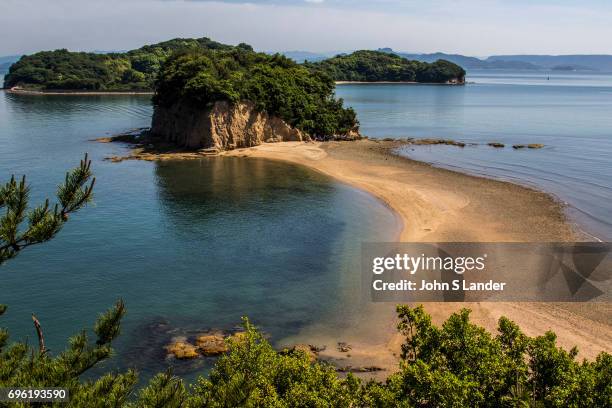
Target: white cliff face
{"type": "Point", "coordinates": [224, 126]}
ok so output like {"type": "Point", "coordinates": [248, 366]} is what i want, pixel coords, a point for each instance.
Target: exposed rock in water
{"type": "Point", "coordinates": [238, 337]}
{"type": "Point", "coordinates": [310, 351]}
{"type": "Point", "coordinates": [344, 347]}
{"type": "Point", "coordinates": [211, 344]}
{"type": "Point", "coordinates": [449, 142]}
{"type": "Point", "coordinates": [496, 144]}
{"type": "Point", "coordinates": [221, 127]}
{"type": "Point", "coordinates": [182, 350]}
{"type": "Point", "coordinates": [530, 146]}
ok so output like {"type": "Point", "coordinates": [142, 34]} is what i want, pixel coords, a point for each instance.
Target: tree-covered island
{"type": "Point", "coordinates": [379, 66]}
{"type": "Point", "coordinates": [137, 70]}
{"type": "Point", "coordinates": [272, 84]}
{"type": "Point", "coordinates": [134, 70]}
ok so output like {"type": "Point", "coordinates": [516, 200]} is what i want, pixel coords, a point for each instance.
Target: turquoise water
{"type": "Point", "coordinates": [188, 245]}
{"type": "Point", "coordinates": [570, 113]}
{"type": "Point", "coordinates": [195, 245]}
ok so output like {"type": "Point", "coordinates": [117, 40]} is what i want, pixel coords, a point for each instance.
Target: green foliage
{"type": "Point", "coordinates": [130, 71]}
{"type": "Point", "coordinates": [253, 374]}
{"type": "Point", "coordinates": [373, 66]}
{"type": "Point", "coordinates": [21, 365]}
{"type": "Point", "coordinates": [461, 364]}
{"type": "Point", "coordinates": [42, 222]}
{"type": "Point", "coordinates": [275, 84]}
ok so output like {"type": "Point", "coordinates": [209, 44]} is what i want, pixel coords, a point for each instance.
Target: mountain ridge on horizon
{"type": "Point", "coordinates": [561, 62]}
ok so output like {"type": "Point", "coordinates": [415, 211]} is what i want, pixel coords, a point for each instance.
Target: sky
{"type": "Point", "coordinates": [469, 27]}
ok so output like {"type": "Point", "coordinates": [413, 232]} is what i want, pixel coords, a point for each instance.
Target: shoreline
{"type": "Point", "coordinates": [437, 204]}
{"type": "Point", "coordinates": [337, 160]}
{"type": "Point", "coordinates": [396, 83]}
{"type": "Point", "coordinates": [434, 204]}
{"type": "Point", "coordinates": [21, 91]}
{"type": "Point", "coordinates": [79, 93]}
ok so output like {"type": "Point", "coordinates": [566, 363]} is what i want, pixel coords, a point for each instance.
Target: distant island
{"type": "Point", "coordinates": [137, 70]}
{"type": "Point", "coordinates": [134, 70]}
{"type": "Point", "coordinates": [379, 66]}
{"type": "Point", "coordinates": [580, 62]}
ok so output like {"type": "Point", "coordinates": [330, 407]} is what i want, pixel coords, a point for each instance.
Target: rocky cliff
{"type": "Point", "coordinates": [222, 127]}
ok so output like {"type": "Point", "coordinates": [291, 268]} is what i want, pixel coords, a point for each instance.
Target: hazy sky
{"type": "Point", "coordinates": [472, 27]}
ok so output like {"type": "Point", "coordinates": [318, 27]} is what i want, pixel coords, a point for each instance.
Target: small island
{"type": "Point", "coordinates": [380, 66]}
{"type": "Point", "coordinates": [135, 70]}
{"type": "Point", "coordinates": [226, 99]}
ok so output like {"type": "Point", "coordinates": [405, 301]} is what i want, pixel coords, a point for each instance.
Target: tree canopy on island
{"type": "Point", "coordinates": [137, 70]}
{"type": "Point", "coordinates": [134, 70]}
{"type": "Point", "coordinates": [376, 66]}
{"type": "Point", "coordinates": [273, 83]}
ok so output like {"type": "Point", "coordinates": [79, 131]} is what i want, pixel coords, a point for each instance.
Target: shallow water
{"type": "Point", "coordinates": [569, 113]}
{"type": "Point", "coordinates": [189, 245]}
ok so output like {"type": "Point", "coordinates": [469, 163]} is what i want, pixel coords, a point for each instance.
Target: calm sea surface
{"type": "Point", "coordinates": [569, 113]}
{"type": "Point", "coordinates": [195, 245]}
{"type": "Point", "coordinates": [188, 245]}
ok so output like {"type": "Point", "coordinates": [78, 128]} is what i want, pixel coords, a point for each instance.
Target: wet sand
{"type": "Point", "coordinates": [432, 205]}
{"type": "Point", "coordinates": [437, 205]}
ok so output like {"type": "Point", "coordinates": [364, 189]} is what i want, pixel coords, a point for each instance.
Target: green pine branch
{"type": "Point", "coordinates": [21, 227]}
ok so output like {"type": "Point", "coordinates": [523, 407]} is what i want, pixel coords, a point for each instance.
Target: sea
{"type": "Point", "coordinates": [192, 246]}
{"type": "Point", "coordinates": [570, 113]}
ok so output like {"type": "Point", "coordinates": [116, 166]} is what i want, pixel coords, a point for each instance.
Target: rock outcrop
{"type": "Point", "coordinates": [212, 344]}
{"type": "Point", "coordinates": [182, 350]}
{"type": "Point", "coordinates": [222, 127]}
{"type": "Point", "coordinates": [308, 350]}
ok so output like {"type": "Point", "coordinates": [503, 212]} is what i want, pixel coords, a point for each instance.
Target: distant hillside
{"type": "Point", "coordinates": [521, 62]}
{"type": "Point", "coordinates": [593, 62]}
{"type": "Point", "coordinates": [465, 61]}
{"type": "Point", "coordinates": [9, 58]}
{"type": "Point", "coordinates": [301, 56]}
{"type": "Point", "coordinates": [118, 71]}
{"type": "Point", "coordinates": [373, 66]}
{"type": "Point", "coordinates": [6, 62]}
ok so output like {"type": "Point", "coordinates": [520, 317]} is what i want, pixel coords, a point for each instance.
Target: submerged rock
{"type": "Point", "coordinates": [448, 142]}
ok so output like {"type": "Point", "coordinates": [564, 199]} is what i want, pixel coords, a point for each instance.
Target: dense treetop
{"type": "Point", "coordinates": [274, 83]}
{"type": "Point", "coordinates": [371, 66]}
{"type": "Point", "coordinates": [120, 71]}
